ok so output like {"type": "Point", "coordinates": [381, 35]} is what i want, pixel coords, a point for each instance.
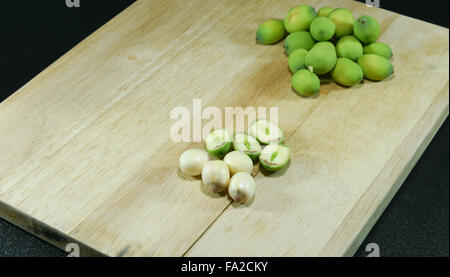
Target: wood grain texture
{"type": "Point", "coordinates": [86, 147]}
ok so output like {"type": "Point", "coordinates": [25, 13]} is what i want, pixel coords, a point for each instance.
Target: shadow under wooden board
{"type": "Point", "coordinates": [87, 157]}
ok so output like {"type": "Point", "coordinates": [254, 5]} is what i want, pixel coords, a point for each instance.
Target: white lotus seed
{"type": "Point", "coordinates": [238, 162]}
{"type": "Point", "coordinates": [242, 187]}
{"type": "Point", "coordinates": [216, 176]}
{"type": "Point", "coordinates": [266, 132]}
{"type": "Point", "coordinates": [192, 161]}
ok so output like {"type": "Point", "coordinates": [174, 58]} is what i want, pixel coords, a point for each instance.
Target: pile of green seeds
{"type": "Point", "coordinates": [329, 41]}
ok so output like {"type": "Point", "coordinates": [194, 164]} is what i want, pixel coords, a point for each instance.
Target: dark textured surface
{"type": "Point", "coordinates": [35, 34]}
{"type": "Point", "coordinates": [416, 221]}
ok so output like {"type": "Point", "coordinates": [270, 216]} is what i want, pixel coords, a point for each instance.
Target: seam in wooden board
{"type": "Point", "coordinates": [310, 112]}
{"type": "Point", "coordinates": [364, 228]}
{"type": "Point", "coordinates": [207, 228]}
{"type": "Point", "coordinates": [44, 231]}
{"type": "Point", "coordinates": [215, 218]}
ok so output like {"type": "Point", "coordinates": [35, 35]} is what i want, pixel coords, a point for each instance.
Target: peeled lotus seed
{"type": "Point", "coordinates": [238, 162]}
{"type": "Point", "coordinates": [218, 143]}
{"type": "Point", "coordinates": [216, 176]}
{"type": "Point", "coordinates": [266, 132]}
{"type": "Point", "coordinates": [248, 144]}
{"type": "Point", "coordinates": [192, 161]}
{"type": "Point", "coordinates": [242, 187]}
{"type": "Point", "coordinates": [275, 157]}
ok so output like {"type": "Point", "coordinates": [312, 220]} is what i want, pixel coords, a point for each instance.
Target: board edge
{"type": "Point", "coordinates": [44, 231]}
{"type": "Point", "coordinates": [428, 125]}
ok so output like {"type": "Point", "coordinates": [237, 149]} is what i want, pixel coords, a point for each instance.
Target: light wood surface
{"type": "Point", "coordinates": [86, 154]}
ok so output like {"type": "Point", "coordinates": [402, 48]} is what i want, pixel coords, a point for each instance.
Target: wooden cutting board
{"type": "Point", "coordinates": [86, 154]}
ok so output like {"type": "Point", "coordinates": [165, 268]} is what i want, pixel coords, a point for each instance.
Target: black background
{"type": "Point", "coordinates": [36, 33]}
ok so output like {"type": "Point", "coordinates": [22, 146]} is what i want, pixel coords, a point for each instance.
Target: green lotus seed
{"type": "Point", "coordinates": [322, 29]}
{"type": "Point", "coordinates": [367, 29]}
{"type": "Point", "coordinates": [270, 31]}
{"type": "Point", "coordinates": [299, 18]}
{"type": "Point", "coordinates": [347, 72]}
{"type": "Point", "coordinates": [343, 20]}
{"type": "Point", "coordinates": [325, 11]}
{"type": "Point", "coordinates": [379, 48]}
{"type": "Point", "coordinates": [298, 40]}
{"type": "Point", "coordinates": [375, 67]}
{"type": "Point", "coordinates": [321, 59]}
{"type": "Point", "coordinates": [297, 60]}
{"type": "Point", "coordinates": [349, 47]}
{"type": "Point", "coordinates": [305, 82]}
